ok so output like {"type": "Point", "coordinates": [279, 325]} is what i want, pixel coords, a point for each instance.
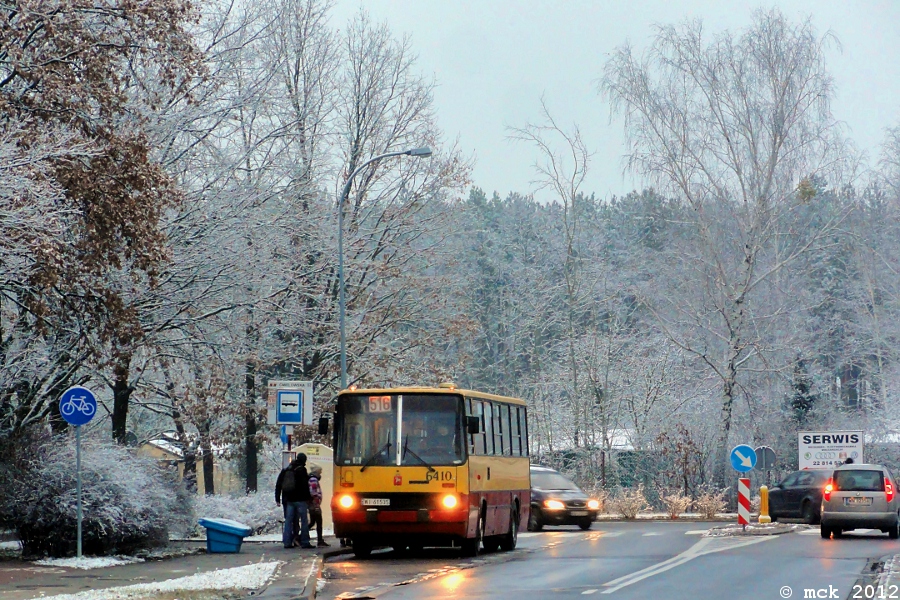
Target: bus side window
{"type": "Point", "coordinates": [507, 430]}
{"type": "Point", "coordinates": [514, 431]}
{"type": "Point", "coordinates": [523, 429]}
{"type": "Point", "coordinates": [470, 412]}
{"type": "Point", "coordinates": [498, 429]}
{"type": "Point", "coordinates": [488, 422]}
{"type": "Point", "coordinates": [478, 438]}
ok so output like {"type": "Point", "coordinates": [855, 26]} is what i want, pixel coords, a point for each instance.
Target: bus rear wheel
{"type": "Point", "coordinates": [508, 542]}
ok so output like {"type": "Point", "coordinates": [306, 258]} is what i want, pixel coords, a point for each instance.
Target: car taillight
{"type": "Point", "coordinates": [829, 487]}
{"type": "Point", "coordinates": [888, 489]}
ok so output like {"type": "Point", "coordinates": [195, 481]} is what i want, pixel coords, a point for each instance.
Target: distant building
{"type": "Point", "coordinates": [167, 449]}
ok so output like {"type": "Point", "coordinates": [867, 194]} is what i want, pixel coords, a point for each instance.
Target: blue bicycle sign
{"type": "Point", "coordinates": [78, 405]}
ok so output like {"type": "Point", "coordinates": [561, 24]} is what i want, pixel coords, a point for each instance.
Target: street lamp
{"type": "Point", "coordinates": [417, 152]}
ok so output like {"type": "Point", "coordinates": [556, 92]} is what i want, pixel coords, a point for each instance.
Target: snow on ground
{"type": "Point", "coordinates": [89, 562]}
{"type": "Point", "coordinates": [247, 578]}
{"type": "Point", "coordinates": [10, 546]}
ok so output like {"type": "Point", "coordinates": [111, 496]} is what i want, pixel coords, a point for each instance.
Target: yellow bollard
{"type": "Point", "coordinates": [764, 505]}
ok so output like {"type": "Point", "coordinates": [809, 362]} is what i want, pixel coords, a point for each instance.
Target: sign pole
{"type": "Point", "coordinates": [78, 405]}
{"type": "Point", "coordinates": [78, 484]}
{"type": "Point", "coordinates": [744, 502]}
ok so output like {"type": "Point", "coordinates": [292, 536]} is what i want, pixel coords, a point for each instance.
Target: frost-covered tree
{"type": "Point", "coordinates": [734, 125]}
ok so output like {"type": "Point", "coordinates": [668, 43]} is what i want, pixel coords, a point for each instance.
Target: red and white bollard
{"type": "Point", "coordinates": [743, 501]}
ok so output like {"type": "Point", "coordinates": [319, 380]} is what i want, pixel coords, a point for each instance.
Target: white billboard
{"type": "Point", "coordinates": [829, 449]}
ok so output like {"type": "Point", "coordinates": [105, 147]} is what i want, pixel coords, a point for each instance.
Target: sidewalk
{"type": "Point", "coordinates": [659, 516]}
{"type": "Point", "coordinates": [21, 580]}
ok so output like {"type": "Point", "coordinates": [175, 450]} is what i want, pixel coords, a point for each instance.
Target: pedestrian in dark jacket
{"type": "Point", "coordinates": [292, 490]}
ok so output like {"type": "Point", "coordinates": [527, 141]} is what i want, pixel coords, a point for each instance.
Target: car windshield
{"type": "Point", "coordinates": [544, 480]}
{"type": "Point", "coordinates": [858, 481]}
{"type": "Point", "coordinates": [430, 432]}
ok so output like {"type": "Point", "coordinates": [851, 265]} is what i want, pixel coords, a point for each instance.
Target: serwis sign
{"type": "Point", "coordinates": [829, 449]}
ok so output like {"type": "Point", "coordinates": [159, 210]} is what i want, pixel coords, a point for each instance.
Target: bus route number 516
{"type": "Point", "coordinates": [379, 404]}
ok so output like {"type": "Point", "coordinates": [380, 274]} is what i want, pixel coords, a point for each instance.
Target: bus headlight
{"type": "Point", "coordinates": [346, 501]}
{"type": "Point", "coordinates": [593, 505]}
{"type": "Point", "coordinates": [554, 505]}
{"type": "Point", "coordinates": [450, 501]}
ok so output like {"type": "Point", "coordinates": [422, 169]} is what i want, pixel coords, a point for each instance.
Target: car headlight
{"type": "Point", "coordinates": [593, 505]}
{"type": "Point", "coordinates": [554, 505]}
{"type": "Point", "coordinates": [346, 501]}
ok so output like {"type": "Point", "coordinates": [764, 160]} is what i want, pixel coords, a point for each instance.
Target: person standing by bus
{"type": "Point", "coordinates": [292, 489]}
{"type": "Point", "coordinates": [315, 505]}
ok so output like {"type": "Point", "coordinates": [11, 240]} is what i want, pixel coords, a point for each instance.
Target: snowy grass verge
{"type": "Point", "coordinates": [89, 562]}
{"type": "Point", "coordinates": [238, 578]}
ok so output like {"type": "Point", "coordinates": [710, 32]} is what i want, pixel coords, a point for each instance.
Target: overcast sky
{"type": "Point", "coordinates": [493, 60]}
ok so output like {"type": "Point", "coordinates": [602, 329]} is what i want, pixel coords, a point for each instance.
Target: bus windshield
{"type": "Point", "coordinates": [430, 430]}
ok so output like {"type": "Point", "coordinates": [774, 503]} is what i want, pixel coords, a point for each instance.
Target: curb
{"type": "Point", "coordinates": [655, 518]}
{"type": "Point", "coordinates": [754, 531]}
{"type": "Point", "coordinates": [284, 586]}
{"type": "Point", "coordinates": [336, 552]}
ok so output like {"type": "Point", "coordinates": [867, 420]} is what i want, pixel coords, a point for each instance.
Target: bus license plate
{"type": "Point", "coordinates": [579, 513]}
{"type": "Point", "coordinates": [861, 500]}
{"type": "Point", "coordinates": [375, 502]}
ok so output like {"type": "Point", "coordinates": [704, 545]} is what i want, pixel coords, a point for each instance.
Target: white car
{"type": "Point", "coordinates": [860, 496]}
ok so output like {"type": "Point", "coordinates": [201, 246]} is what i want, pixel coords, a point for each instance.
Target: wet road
{"type": "Point", "coordinates": [620, 560]}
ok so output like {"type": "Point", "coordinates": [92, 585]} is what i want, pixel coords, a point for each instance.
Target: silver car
{"type": "Point", "coordinates": [860, 496]}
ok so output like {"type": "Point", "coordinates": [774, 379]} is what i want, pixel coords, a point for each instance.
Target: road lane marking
{"type": "Point", "coordinates": [704, 546]}
{"type": "Point", "coordinates": [607, 534]}
{"type": "Point", "coordinates": [649, 533]}
{"type": "Point", "coordinates": [696, 532]}
{"type": "Point", "coordinates": [586, 592]}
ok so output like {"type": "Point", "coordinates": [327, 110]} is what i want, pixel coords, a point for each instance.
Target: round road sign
{"type": "Point", "coordinates": [78, 405]}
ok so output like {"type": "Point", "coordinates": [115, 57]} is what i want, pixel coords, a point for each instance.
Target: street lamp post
{"type": "Point", "coordinates": [418, 152]}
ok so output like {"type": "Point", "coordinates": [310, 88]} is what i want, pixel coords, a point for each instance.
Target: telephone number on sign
{"type": "Point", "coordinates": [825, 463]}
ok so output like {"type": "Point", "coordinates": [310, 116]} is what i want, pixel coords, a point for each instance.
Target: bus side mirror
{"type": "Point", "coordinates": [323, 425]}
{"type": "Point", "coordinates": [473, 425]}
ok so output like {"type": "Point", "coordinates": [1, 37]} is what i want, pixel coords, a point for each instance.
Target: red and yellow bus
{"type": "Point", "coordinates": [421, 466]}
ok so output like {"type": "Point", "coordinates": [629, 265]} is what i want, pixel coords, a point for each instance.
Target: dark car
{"type": "Point", "coordinates": [556, 500]}
{"type": "Point", "coordinates": [799, 495]}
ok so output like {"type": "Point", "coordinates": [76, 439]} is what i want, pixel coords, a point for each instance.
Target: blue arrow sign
{"type": "Point", "coordinates": [743, 458]}
{"type": "Point", "coordinates": [78, 405]}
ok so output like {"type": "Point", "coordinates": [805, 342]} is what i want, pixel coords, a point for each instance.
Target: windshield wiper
{"type": "Point", "coordinates": [368, 463]}
{"type": "Point", "coordinates": [421, 460]}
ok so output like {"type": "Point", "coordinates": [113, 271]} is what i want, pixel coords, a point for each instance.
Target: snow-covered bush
{"type": "Point", "coordinates": [256, 510]}
{"type": "Point", "coordinates": [128, 502]}
{"type": "Point", "coordinates": [710, 503]}
{"type": "Point", "coordinates": [629, 502]}
{"type": "Point", "coordinates": [675, 502]}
